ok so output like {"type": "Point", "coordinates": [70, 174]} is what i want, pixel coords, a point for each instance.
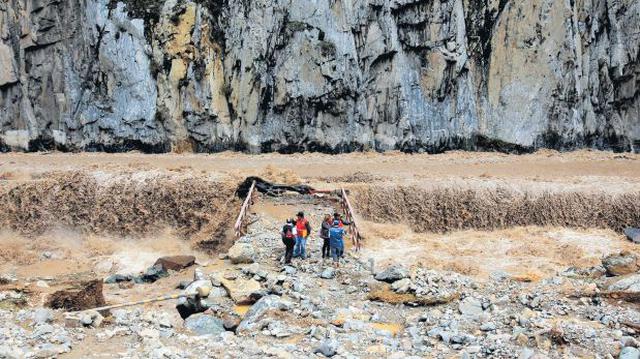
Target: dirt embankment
{"type": "Point", "coordinates": [127, 204]}
{"type": "Point", "coordinates": [448, 209]}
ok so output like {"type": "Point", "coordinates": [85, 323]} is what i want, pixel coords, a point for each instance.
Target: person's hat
{"type": "Point", "coordinates": [289, 221]}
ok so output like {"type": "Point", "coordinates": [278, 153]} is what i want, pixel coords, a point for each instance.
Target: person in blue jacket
{"type": "Point", "coordinates": [336, 242]}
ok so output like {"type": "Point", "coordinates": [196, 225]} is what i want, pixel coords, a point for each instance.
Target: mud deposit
{"type": "Point", "coordinates": [121, 203]}
{"type": "Point", "coordinates": [498, 256]}
{"type": "Point", "coordinates": [449, 209]}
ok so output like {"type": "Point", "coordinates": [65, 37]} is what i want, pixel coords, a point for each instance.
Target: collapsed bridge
{"type": "Point", "coordinates": [253, 185]}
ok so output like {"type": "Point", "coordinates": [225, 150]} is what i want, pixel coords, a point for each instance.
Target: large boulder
{"type": "Point", "coordinates": [242, 253]}
{"type": "Point", "coordinates": [204, 324]}
{"type": "Point", "coordinates": [633, 234]}
{"type": "Point", "coordinates": [261, 310]}
{"type": "Point", "coordinates": [242, 291]}
{"type": "Point", "coordinates": [392, 274]}
{"type": "Point", "coordinates": [626, 287]}
{"type": "Point", "coordinates": [620, 264]}
{"type": "Point", "coordinates": [629, 353]}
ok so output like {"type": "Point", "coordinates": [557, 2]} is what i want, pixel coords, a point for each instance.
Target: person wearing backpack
{"type": "Point", "coordinates": [336, 242]}
{"type": "Point", "coordinates": [324, 234]}
{"type": "Point", "coordinates": [289, 240]}
{"type": "Point", "coordinates": [303, 230]}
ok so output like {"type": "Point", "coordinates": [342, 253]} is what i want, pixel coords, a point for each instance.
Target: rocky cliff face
{"type": "Point", "coordinates": [331, 75]}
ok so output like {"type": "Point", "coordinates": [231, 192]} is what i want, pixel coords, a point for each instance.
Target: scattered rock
{"type": "Point", "coordinates": [488, 327]}
{"type": "Point", "coordinates": [195, 304]}
{"type": "Point", "coordinates": [89, 318]}
{"type": "Point", "coordinates": [7, 279]}
{"type": "Point", "coordinates": [620, 264]}
{"type": "Point", "coordinates": [242, 253]}
{"type": "Point", "coordinates": [471, 308]}
{"type": "Point", "coordinates": [175, 263]}
{"type": "Point", "coordinates": [204, 324]}
{"type": "Point", "coordinates": [289, 270]}
{"type": "Point", "coordinates": [402, 285]}
{"type": "Point", "coordinates": [243, 291]}
{"type": "Point", "coordinates": [633, 234]}
{"type": "Point", "coordinates": [629, 353]}
{"type": "Point", "coordinates": [626, 287]}
{"type": "Point", "coordinates": [592, 272]}
{"type": "Point", "coordinates": [260, 310]}
{"type": "Point", "coordinates": [328, 348]}
{"type": "Point", "coordinates": [152, 274]}
{"type": "Point", "coordinates": [42, 315]}
{"type": "Point", "coordinates": [118, 278]}
{"type": "Point", "coordinates": [392, 274]}
{"type": "Point", "coordinates": [231, 322]}
{"type": "Point", "coordinates": [328, 273]}
{"type": "Point", "coordinates": [526, 353]}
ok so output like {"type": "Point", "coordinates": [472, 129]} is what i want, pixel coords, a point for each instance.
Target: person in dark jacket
{"type": "Point", "coordinates": [324, 234]}
{"type": "Point", "coordinates": [289, 240]}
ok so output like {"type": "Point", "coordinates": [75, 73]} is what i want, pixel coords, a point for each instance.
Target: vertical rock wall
{"type": "Point", "coordinates": [330, 75]}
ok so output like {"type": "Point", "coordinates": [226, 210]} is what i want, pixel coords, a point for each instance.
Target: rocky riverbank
{"type": "Point", "coordinates": [260, 308]}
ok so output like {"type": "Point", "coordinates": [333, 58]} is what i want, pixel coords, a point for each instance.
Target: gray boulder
{"type": "Point", "coordinates": [328, 348]}
{"type": "Point", "coordinates": [471, 308]}
{"type": "Point", "coordinates": [42, 316]}
{"type": "Point", "coordinates": [242, 253]}
{"type": "Point", "coordinates": [118, 278]}
{"type": "Point", "coordinates": [328, 273]}
{"type": "Point", "coordinates": [629, 353]}
{"type": "Point", "coordinates": [152, 274]}
{"type": "Point", "coordinates": [620, 264]}
{"type": "Point", "coordinates": [392, 274]}
{"type": "Point", "coordinates": [260, 310]}
{"type": "Point", "coordinates": [203, 324]}
{"type": "Point", "coordinates": [633, 234]}
{"type": "Point", "coordinates": [626, 287]}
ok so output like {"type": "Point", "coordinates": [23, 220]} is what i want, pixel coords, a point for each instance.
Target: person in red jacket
{"type": "Point", "coordinates": [303, 230]}
{"type": "Point", "coordinates": [343, 222]}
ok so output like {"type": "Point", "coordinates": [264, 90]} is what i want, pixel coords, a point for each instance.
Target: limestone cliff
{"type": "Point", "coordinates": [320, 75]}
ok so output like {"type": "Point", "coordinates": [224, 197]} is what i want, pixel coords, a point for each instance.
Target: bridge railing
{"type": "Point", "coordinates": [239, 225]}
{"type": "Point", "coordinates": [354, 232]}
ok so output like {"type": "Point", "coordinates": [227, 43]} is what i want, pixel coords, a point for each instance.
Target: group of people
{"type": "Point", "coordinates": [296, 232]}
